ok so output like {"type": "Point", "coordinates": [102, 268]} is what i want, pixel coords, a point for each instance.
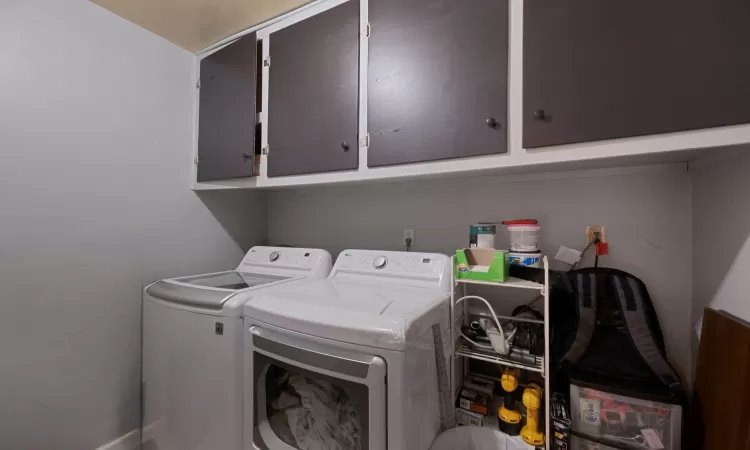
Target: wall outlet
{"type": "Point", "coordinates": [409, 233]}
{"type": "Point", "coordinates": [593, 229]}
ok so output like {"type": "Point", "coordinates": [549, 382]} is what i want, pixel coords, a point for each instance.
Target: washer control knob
{"type": "Point", "coordinates": [380, 262]}
{"type": "Point", "coordinates": [274, 256]}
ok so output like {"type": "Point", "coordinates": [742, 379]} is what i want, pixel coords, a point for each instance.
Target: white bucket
{"type": "Point", "coordinates": [526, 259]}
{"type": "Point", "coordinates": [476, 438]}
{"type": "Point", "coordinates": [523, 238]}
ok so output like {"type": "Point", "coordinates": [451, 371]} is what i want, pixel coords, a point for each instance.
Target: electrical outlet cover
{"type": "Point", "coordinates": [590, 230]}
{"type": "Point", "coordinates": [409, 233]}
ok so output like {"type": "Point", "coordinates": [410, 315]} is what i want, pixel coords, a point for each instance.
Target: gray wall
{"type": "Point", "coordinates": [721, 232]}
{"type": "Point", "coordinates": [95, 138]}
{"type": "Point", "coordinates": [647, 212]}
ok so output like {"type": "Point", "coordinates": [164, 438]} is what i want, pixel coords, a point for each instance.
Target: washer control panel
{"type": "Point", "coordinates": [279, 259]}
{"type": "Point", "coordinates": [288, 257]}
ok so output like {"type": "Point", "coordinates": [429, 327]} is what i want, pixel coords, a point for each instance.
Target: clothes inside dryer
{"type": "Point", "coordinates": [310, 411]}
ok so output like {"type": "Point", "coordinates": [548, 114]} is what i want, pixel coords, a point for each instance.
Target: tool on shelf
{"type": "Point", "coordinates": [560, 422]}
{"type": "Point", "coordinates": [520, 338]}
{"type": "Point", "coordinates": [528, 337]}
{"type": "Point", "coordinates": [508, 415]}
{"type": "Point", "coordinates": [532, 400]}
{"type": "Point", "coordinates": [492, 329]}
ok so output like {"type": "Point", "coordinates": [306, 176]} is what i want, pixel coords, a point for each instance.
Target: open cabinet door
{"type": "Point", "coordinates": [226, 127]}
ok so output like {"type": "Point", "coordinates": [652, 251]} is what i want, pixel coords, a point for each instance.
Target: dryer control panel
{"type": "Point", "coordinates": [287, 260]}
{"type": "Point", "coordinates": [407, 268]}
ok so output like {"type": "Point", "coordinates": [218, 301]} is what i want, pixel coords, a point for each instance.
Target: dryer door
{"type": "Point", "coordinates": [302, 394]}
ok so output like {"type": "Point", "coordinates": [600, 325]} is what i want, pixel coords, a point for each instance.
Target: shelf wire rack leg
{"type": "Point", "coordinates": [547, 393]}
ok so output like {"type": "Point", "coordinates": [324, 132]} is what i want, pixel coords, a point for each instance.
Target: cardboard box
{"type": "Point", "coordinates": [481, 385]}
{"type": "Point", "coordinates": [474, 401]}
{"type": "Point", "coordinates": [482, 264]}
{"type": "Point", "coordinates": [468, 418]}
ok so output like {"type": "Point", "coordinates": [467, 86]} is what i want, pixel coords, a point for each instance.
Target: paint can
{"type": "Point", "coordinates": [482, 236]}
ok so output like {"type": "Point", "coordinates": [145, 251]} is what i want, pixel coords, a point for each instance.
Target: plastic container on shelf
{"type": "Point", "coordinates": [524, 235]}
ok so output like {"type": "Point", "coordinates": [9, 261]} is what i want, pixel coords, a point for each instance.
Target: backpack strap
{"type": "Point", "coordinates": [630, 300]}
{"type": "Point", "coordinates": [584, 287]}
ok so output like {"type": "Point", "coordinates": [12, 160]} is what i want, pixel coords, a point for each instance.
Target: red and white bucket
{"type": "Point", "coordinates": [524, 235]}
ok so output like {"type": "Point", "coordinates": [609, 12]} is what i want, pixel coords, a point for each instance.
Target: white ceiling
{"type": "Point", "coordinates": [196, 24]}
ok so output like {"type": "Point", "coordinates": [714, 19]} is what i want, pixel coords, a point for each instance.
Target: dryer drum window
{"type": "Point", "coordinates": [305, 409]}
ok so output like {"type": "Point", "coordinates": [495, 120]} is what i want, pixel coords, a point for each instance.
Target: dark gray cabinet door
{"type": "Point", "coordinates": [437, 80]}
{"type": "Point", "coordinates": [313, 98]}
{"type": "Point", "coordinates": [597, 70]}
{"type": "Point", "coordinates": [226, 130]}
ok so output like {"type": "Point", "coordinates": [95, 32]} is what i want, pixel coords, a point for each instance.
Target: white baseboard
{"type": "Point", "coordinates": [129, 441]}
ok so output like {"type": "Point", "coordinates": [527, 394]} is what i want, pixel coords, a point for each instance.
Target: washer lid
{"type": "Point", "coordinates": [188, 296]}
{"type": "Point", "coordinates": [375, 315]}
{"type": "Point", "coordinates": [233, 280]}
{"type": "Point", "coordinates": [209, 291]}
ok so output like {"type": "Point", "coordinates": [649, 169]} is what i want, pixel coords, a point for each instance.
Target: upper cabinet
{"type": "Point", "coordinates": [357, 90]}
{"type": "Point", "coordinates": [313, 94]}
{"type": "Point", "coordinates": [226, 124]}
{"type": "Point", "coordinates": [437, 80]}
{"type": "Point", "coordinates": [596, 70]}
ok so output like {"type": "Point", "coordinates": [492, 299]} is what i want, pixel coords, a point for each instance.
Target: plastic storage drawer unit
{"type": "Point", "coordinates": [625, 422]}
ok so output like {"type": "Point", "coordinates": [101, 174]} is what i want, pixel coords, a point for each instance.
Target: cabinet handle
{"type": "Point", "coordinates": [541, 115]}
{"type": "Point", "coordinates": [247, 155]}
{"type": "Point", "coordinates": [492, 122]}
{"type": "Point", "coordinates": [345, 146]}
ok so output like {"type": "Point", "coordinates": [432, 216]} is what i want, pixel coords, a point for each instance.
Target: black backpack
{"type": "Point", "coordinates": [605, 332]}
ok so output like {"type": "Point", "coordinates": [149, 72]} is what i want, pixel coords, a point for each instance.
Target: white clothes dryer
{"type": "Point", "coordinates": [349, 362]}
{"type": "Point", "coordinates": [193, 347]}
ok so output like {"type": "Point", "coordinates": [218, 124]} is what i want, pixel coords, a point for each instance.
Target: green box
{"type": "Point", "coordinates": [493, 264]}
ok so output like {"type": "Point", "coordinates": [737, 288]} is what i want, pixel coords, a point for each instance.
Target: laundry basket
{"type": "Point", "coordinates": [477, 438]}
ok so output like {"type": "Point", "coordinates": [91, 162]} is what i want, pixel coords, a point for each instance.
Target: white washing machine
{"type": "Point", "coordinates": [192, 347]}
{"type": "Point", "coordinates": [348, 362]}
